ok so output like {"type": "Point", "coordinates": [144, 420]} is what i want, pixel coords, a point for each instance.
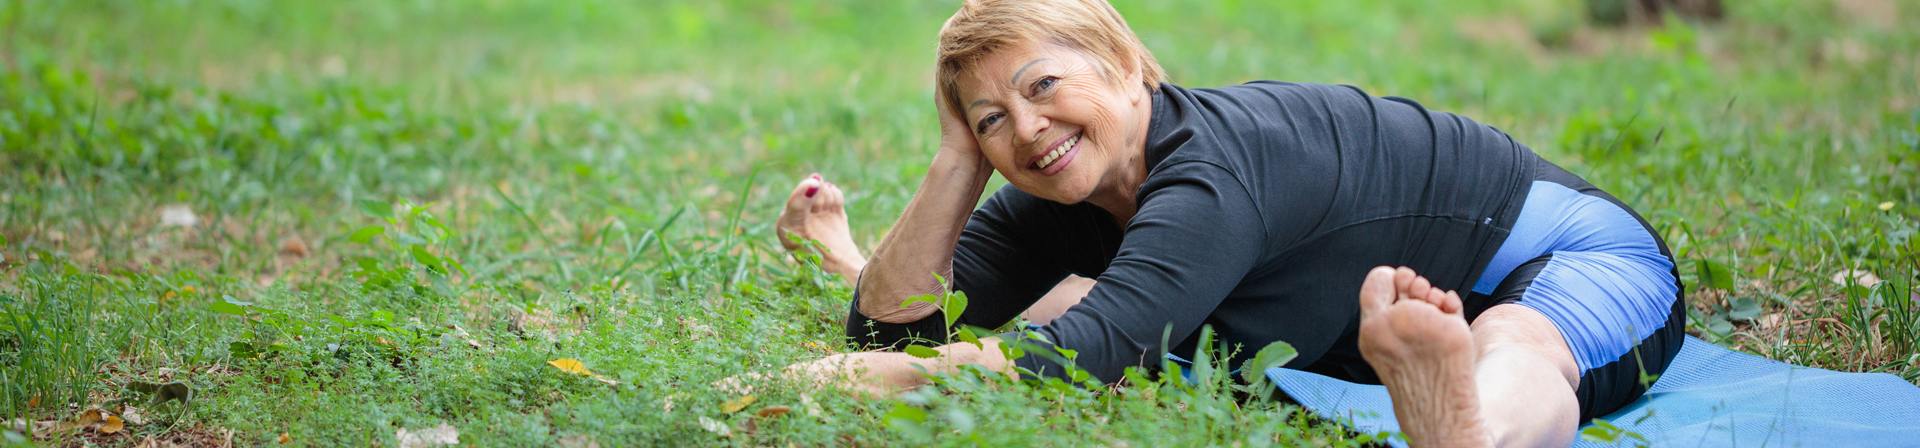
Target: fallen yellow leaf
{"type": "Point", "coordinates": [284, 438]}
{"type": "Point", "coordinates": [112, 425]}
{"type": "Point", "coordinates": [569, 365]}
{"type": "Point", "coordinates": [735, 405]}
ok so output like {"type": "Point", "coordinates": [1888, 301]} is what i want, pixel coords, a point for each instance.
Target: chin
{"type": "Point", "coordinates": [1065, 191]}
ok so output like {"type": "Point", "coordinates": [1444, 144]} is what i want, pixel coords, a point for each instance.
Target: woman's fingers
{"type": "Point", "coordinates": [955, 136]}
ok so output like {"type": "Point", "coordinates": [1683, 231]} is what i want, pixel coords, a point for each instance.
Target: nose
{"type": "Point", "coordinates": [1028, 123]}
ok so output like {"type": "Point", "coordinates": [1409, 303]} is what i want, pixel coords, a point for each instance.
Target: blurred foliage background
{"type": "Point", "coordinates": [185, 188]}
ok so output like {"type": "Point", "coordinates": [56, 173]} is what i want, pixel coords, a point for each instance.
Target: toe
{"type": "Point", "coordinates": [793, 216]}
{"type": "Point", "coordinates": [1452, 304]}
{"type": "Point", "coordinates": [1418, 289]}
{"type": "Point", "coordinates": [1403, 282]}
{"type": "Point", "coordinates": [1377, 292]}
{"type": "Point", "coordinates": [802, 197]}
{"type": "Point", "coordinates": [831, 199]}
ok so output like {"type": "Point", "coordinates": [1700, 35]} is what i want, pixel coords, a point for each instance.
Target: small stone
{"type": "Point", "coordinates": [178, 215]}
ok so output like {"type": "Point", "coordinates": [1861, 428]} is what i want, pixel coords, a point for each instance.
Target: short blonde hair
{"type": "Point", "coordinates": [1091, 27]}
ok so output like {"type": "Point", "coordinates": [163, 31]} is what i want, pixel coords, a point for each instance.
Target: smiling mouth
{"type": "Point", "coordinates": [1058, 151]}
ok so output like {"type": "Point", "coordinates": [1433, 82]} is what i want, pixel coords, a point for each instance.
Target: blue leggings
{"type": "Point", "coordinates": [1602, 276]}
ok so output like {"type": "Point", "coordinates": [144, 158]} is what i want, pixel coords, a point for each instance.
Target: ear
{"type": "Point", "coordinates": [1133, 78]}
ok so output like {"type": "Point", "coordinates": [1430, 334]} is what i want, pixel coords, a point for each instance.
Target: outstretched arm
{"type": "Point", "coordinates": [886, 373]}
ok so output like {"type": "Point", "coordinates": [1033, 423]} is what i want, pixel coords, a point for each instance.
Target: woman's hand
{"type": "Point", "coordinates": [956, 137]}
{"type": "Point", "coordinates": [878, 374]}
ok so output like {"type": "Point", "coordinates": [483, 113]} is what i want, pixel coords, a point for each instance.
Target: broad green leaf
{"type": "Point", "coordinates": [229, 306]}
{"type": "Point", "coordinates": [225, 307]}
{"type": "Point", "coordinates": [366, 234]}
{"type": "Point", "coordinates": [423, 225]}
{"type": "Point", "coordinates": [1744, 308]}
{"type": "Point", "coordinates": [454, 265]}
{"type": "Point", "coordinates": [421, 255]}
{"type": "Point", "coordinates": [906, 412]}
{"type": "Point", "coordinates": [956, 305]}
{"type": "Point", "coordinates": [376, 209]}
{"type": "Point", "coordinates": [965, 333]}
{"type": "Point", "coordinates": [1714, 274]}
{"type": "Point", "coordinates": [922, 352]}
{"type": "Point", "coordinates": [1274, 355]}
{"type": "Point", "coordinates": [242, 350]}
{"type": "Point", "coordinates": [930, 299]}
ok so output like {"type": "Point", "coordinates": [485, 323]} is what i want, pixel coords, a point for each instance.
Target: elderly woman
{"type": "Point", "coordinates": [1500, 299]}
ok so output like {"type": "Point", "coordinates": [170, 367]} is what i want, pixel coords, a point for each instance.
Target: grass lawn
{"type": "Point", "coordinates": [367, 222]}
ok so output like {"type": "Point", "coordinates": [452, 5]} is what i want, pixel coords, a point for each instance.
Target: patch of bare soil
{"type": "Point", "coordinates": [1881, 14]}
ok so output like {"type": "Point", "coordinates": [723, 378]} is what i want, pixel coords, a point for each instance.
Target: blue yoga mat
{"type": "Point", "coordinates": [1709, 397]}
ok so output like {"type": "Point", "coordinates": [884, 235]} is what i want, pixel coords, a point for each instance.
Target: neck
{"type": "Point", "coordinates": [1117, 193]}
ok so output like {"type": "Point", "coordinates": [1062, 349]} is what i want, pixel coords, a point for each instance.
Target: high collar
{"type": "Point", "coordinates": [1166, 128]}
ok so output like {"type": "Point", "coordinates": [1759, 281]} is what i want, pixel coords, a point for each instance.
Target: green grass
{"type": "Point", "coordinates": [605, 175]}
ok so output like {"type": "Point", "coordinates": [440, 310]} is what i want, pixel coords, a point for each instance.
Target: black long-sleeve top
{"type": "Point", "coordinates": [1265, 205]}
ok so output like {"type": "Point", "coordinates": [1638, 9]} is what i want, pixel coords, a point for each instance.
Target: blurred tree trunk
{"type": "Point", "coordinates": [1622, 12]}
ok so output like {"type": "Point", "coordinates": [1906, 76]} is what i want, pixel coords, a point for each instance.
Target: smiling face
{"type": "Point", "coordinates": [1048, 121]}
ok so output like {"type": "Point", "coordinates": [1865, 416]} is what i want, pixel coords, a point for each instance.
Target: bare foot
{"type": "Point", "coordinates": [1416, 338]}
{"type": "Point", "coordinates": [816, 210]}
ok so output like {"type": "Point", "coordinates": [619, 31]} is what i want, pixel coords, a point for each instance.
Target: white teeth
{"type": "Point", "coordinates": [1057, 152]}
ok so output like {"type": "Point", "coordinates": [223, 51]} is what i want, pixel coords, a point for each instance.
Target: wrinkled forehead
{"type": "Point", "coordinates": [999, 71]}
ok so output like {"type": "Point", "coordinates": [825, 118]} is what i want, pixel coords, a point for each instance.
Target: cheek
{"type": "Point", "coordinates": [1000, 156]}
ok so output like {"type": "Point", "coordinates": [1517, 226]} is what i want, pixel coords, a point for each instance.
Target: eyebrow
{"type": "Point", "coordinates": [1023, 69]}
{"type": "Point", "coordinates": [1011, 81]}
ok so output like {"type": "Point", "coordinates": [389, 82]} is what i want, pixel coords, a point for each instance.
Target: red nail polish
{"type": "Point", "coordinates": [813, 189]}
{"type": "Point", "coordinates": [815, 176]}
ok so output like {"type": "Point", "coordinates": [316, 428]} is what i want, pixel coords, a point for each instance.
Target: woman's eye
{"type": "Point", "coordinates": [984, 122]}
{"type": "Point", "coordinates": [1043, 84]}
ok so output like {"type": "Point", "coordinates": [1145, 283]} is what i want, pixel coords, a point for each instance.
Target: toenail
{"type": "Point", "coordinates": [816, 176]}
{"type": "Point", "coordinates": [813, 189]}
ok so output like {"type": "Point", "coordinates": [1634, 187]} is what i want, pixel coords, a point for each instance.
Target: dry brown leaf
{"type": "Point", "coordinates": [47, 428]}
{"type": "Point", "coordinates": [293, 246]}
{"type": "Point", "coordinates": [112, 425]}
{"type": "Point", "coordinates": [33, 402]}
{"type": "Point", "coordinates": [90, 416]}
{"type": "Point", "coordinates": [773, 411]}
{"type": "Point", "coordinates": [735, 405]}
{"type": "Point", "coordinates": [444, 434]}
{"type": "Point", "coordinates": [284, 438]}
{"type": "Point", "coordinates": [1860, 277]}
